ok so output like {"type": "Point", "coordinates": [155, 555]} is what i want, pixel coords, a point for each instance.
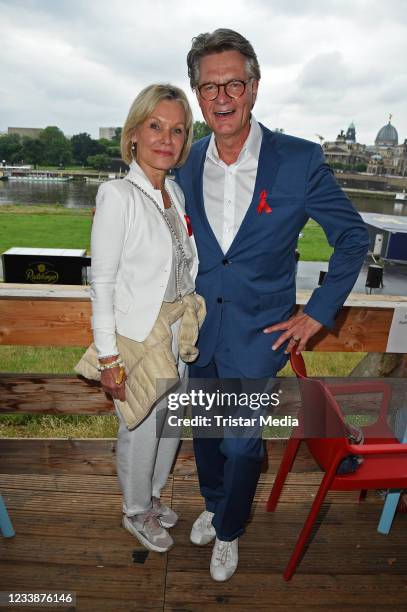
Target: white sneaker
{"type": "Point", "coordinates": [203, 531]}
{"type": "Point", "coordinates": [225, 557]}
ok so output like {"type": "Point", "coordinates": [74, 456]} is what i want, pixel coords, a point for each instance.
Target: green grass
{"type": "Point", "coordinates": [53, 226]}
{"type": "Point", "coordinates": [44, 226]}
{"type": "Point", "coordinates": [313, 246]}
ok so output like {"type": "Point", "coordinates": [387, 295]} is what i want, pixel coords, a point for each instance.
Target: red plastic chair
{"type": "Point", "coordinates": [384, 457]}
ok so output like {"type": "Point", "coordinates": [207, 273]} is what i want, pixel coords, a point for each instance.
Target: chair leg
{"type": "Point", "coordinates": [388, 512]}
{"type": "Point", "coordinates": [285, 466]}
{"type": "Point", "coordinates": [307, 527]}
{"type": "Point", "coordinates": [362, 495]}
{"type": "Point", "coordinates": [6, 527]}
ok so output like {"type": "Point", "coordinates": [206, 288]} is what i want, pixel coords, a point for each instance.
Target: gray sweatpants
{"type": "Point", "coordinates": [143, 458]}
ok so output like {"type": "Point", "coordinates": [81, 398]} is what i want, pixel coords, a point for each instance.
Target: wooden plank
{"type": "Point", "coordinates": [97, 457]}
{"type": "Point", "coordinates": [265, 591]}
{"type": "Point", "coordinates": [64, 394]}
{"type": "Point", "coordinates": [44, 456]}
{"type": "Point", "coordinates": [39, 317]}
{"type": "Point", "coordinates": [362, 569]}
{"type": "Point", "coordinates": [78, 292]}
{"type": "Point", "coordinates": [69, 538]}
{"type": "Point", "coordinates": [52, 394]}
{"type": "Point", "coordinates": [45, 322]}
{"type": "Point", "coordinates": [138, 586]}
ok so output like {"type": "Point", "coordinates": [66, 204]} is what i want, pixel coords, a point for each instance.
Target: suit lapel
{"type": "Point", "coordinates": [267, 169]}
{"type": "Point", "coordinates": [199, 196]}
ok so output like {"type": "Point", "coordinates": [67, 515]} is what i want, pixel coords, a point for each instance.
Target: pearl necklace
{"type": "Point", "coordinates": [181, 257]}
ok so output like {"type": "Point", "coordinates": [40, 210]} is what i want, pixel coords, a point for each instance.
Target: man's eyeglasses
{"type": "Point", "coordinates": [233, 89]}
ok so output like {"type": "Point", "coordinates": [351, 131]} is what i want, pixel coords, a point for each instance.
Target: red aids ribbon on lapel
{"type": "Point", "coordinates": [189, 226]}
{"type": "Point", "coordinates": [263, 206]}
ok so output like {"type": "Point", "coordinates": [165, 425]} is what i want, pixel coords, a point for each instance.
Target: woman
{"type": "Point", "coordinates": [143, 269]}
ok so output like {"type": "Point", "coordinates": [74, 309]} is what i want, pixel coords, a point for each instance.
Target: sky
{"type": "Point", "coordinates": [78, 64]}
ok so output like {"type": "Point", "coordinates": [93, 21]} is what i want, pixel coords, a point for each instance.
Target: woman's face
{"type": "Point", "coordinates": [160, 138]}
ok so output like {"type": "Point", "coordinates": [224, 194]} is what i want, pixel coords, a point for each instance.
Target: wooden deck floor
{"type": "Point", "coordinates": [69, 538]}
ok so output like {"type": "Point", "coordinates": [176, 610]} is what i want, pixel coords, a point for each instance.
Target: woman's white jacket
{"type": "Point", "coordinates": [131, 251]}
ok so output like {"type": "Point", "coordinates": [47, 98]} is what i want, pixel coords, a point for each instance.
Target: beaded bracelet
{"type": "Point", "coordinates": [108, 366]}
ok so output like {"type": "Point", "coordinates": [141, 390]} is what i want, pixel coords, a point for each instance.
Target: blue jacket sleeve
{"type": "Point", "coordinates": [326, 203]}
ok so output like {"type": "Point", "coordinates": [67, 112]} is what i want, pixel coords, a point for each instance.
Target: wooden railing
{"type": "Point", "coordinates": [60, 316]}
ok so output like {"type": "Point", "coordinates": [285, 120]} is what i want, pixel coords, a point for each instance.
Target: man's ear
{"type": "Point", "coordinates": [198, 99]}
{"type": "Point", "coordinates": [255, 87]}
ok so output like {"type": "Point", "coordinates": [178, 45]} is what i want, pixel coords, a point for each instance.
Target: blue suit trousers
{"type": "Point", "coordinates": [228, 467]}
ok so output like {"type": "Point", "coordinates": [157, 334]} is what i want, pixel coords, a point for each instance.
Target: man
{"type": "Point", "coordinates": [249, 192]}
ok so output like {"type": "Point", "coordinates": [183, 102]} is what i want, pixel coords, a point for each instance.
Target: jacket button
{"type": "Point", "coordinates": [226, 262]}
{"type": "Point", "coordinates": [220, 300]}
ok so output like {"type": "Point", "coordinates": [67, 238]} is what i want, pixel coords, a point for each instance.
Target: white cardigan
{"type": "Point", "coordinates": [131, 252]}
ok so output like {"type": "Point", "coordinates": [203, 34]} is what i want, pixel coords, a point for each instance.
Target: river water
{"type": "Point", "coordinates": [80, 194]}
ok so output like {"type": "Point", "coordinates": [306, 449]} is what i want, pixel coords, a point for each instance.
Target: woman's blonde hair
{"type": "Point", "coordinates": [142, 108]}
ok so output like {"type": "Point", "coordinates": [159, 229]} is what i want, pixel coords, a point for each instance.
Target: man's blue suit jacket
{"type": "Point", "coordinates": [253, 284]}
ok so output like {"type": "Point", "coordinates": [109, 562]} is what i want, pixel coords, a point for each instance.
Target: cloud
{"type": "Point", "coordinates": [79, 64]}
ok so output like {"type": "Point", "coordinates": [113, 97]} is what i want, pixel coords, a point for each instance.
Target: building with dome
{"type": "Point", "coordinates": [387, 136]}
{"type": "Point", "coordinates": [386, 155]}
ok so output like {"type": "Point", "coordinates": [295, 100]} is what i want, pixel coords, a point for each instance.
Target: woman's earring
{"type": "Point", "coordinates": [133, 150]}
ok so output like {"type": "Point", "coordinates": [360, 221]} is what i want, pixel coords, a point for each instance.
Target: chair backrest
{"type": "Point", "coordinates": [323, 427]}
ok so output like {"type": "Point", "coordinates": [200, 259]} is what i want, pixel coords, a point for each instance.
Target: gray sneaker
{"type": "Point", "coordinates": [167, 517]}
{"type": "Point", "coordinates": [149, 531]}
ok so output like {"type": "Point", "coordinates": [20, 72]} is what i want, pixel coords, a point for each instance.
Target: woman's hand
{"type": "Point", "coordinates": [113, 380]}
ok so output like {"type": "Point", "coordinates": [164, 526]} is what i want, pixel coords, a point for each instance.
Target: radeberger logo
{"type": "Point", "coordinates": [41, 273]}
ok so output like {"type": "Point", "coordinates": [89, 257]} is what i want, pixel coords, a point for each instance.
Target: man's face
{"type": "Point", "coordinates": [226, 116]}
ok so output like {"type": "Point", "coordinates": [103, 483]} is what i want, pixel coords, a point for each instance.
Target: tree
{"type": "Point", "coordinates": [200, 130]}
{"type": "Point", "coordinates": [83, 146]}
{"type": "Point", "coordinates": [11, 148]}
{"type": "Point", "coordinates": [117, 135]}
{"type": "Point", "coordinates": [57, 148]}
{"type": "Point", "coordinates": [100, 161]}
{"type": "Point", "coordinates": [33, 151]}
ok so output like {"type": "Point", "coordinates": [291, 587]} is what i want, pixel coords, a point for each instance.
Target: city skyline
{"type": "Point", "coordinates": [78, 65]}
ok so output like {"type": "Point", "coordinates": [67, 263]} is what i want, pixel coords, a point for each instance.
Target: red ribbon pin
{"type": "Point", "coordinates": [189, 226]}
{"type": "Point", "coordinates": [263, 206]}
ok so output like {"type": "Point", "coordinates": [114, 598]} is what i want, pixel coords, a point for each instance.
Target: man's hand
{"type": "Point", "coordinates": [299, 329]}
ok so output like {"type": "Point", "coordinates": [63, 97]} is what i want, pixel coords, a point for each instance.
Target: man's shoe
{"type": "Point", "coordinates": [225, 557]}
{"type": "Point", "coordinates": [202, 531]}
{"type": "Point", "coordinates": [148, 531]}
{"type": "Point", "coordinates": [167, 517]}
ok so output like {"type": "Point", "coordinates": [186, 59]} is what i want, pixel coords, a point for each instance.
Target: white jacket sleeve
{"type": "Point", "coordinates": [107, 240]}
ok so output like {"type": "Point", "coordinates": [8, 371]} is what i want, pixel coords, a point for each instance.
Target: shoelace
{"type": "Point", "coordinates": [205, 521]}
{"type": "Point", "coordinates": [151, 519]}
{"type": "Point", "coordinates": [223, 552]}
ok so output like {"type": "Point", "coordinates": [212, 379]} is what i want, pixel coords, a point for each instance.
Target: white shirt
{"type": "Point", "coordinates": [228, 190]}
